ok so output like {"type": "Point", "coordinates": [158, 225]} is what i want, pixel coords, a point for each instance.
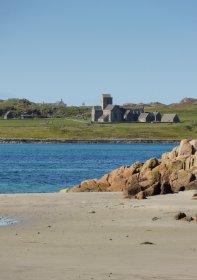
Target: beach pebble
{"type": "Point", "coordinates": [180, 216]}
{"type": "Point", "coordinates": [194, 196]}
{"type": "Point", "coordinates": [188, 219]}
{"type": "Point", "coordinates": [92, 212]}
{"type": "Point", "coordinates": [147, 243]}
{"type": "Point", "coordinates": [155, 218]}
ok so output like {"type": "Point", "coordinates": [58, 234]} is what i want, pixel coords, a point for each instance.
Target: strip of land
{"type": "Point", "coordinates": [97, 236]}
{"type": "Point", "coordinates": [74, 123]}
{"type": "Point", "coordinates": [66, 129]}
{"type": "Point", "coordinates": [84, 141]}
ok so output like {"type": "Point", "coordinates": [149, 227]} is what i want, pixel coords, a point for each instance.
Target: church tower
{"type": "Point", "coordinates": [106, 99]}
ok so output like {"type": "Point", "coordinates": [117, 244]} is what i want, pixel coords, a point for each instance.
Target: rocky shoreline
{"type": "Point", "coordinates": [86, 141]}
{"type": "Point", "coordinates": [175, 171]}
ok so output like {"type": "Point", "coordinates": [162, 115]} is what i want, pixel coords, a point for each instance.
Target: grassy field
{"type": "Point", "coordinates": [80, 129]}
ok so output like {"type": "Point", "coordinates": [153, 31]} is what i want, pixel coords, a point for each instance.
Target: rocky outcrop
{"type": "Point", "coordinates": [176, 171]}
{"type": "Point", "coordinates": [113, 181]}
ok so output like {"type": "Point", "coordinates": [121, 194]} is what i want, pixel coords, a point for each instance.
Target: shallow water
{"type": "Point", "coordinates": [28, 168]}
{"type": "Point", "coordinates": [4, 221]}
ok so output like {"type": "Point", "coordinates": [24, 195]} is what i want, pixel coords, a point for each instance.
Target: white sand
{"type": "Point", "coordinates": [58, 237]}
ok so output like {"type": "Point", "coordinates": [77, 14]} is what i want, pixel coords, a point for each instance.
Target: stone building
{"type": "Point", "coordinates": [170, 118]}
{"type": "Point", "coordinates": [150, 117]}
{"type": "Point", "coordinates": [111, 113]}
{"type": "Point", "coordinates": [131, 115]}
{"type": "Point", "coordinates": [108, 112]}
{"type": "Point", "coordinates": [157, 116]}
{"type": "Point", "coordinates": [97, 112]}
{"type": "Point", "coordinates": [106, 100]}
{"type": "Point", "coordinates": [146, 117]}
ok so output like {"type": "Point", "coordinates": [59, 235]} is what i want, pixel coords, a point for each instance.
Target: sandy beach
{"type": "Point", "coordinates": [97, 236]}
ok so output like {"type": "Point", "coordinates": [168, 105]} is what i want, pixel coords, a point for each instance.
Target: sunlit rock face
{"type": "Point", "coordinates": [175, 171]}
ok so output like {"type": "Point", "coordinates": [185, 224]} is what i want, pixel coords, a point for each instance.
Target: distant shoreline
{"type": "Point", "coordinates": [86, 141]}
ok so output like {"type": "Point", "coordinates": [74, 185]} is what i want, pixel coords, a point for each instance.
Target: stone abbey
{"type": "Point", "coordinates": [109, 113]}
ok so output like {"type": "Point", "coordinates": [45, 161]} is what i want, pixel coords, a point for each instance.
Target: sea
{"type": "Point", "coordinates": [46, 168]}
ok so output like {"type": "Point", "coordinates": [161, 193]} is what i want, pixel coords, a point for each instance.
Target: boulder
{"type": "Point", "coordinates": [153, 190]}
{"type": "Point", "coordinates": [190, 162]}
{"type": "Point", "coordinates": [194, 145]}
{"type": "Point", "coordinates": [86, 186]}
{"type": "Point", "coordinates": [149, 178]}
{"type": "Point", "coordinates": [149, 164]}
{"type": "Point", "coordinates": [103, 186]}
{"type": "Point", "coordinates": [175, 164]}
{"type": "Point", "coordinates": [180, 216]}
{"type": "Point", "coordinates": [192, 185]}
{"type": "Point", "coordinates": [117, 185]}
{"type": "Point", "coordinates": [185, 148]}
{"type": "Point", "coordinates": [140, 195]}
{"type": "Point", "coordinates": [171, 155]}
{"type": "Point", "coordinates": [117, 173]}
{"type": "Point", "coordinates": [132, 186]}
{"type": "Point", "coordinates": [180, 180]}
{"type": "Point", "coordinates": [133, 169]}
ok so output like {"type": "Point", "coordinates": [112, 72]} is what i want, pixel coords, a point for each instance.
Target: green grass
{"type": "Point", "coordinates": [80, 129]}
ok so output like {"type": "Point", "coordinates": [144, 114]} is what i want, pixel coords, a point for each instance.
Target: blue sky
{"type": "Point", "coordinates": [139, 51]}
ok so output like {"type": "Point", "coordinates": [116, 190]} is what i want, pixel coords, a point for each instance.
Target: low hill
{"type": "Point", "coordinates": [19, 107]}
{"type": "Point", "coordinates": [189, 100]}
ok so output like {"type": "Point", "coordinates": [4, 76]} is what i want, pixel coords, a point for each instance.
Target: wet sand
{"type": "Point", "coordinates": [97, 236]}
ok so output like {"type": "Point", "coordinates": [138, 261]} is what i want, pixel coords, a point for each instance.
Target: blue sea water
{"type": "Point", "coordinates": [30, 168]}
